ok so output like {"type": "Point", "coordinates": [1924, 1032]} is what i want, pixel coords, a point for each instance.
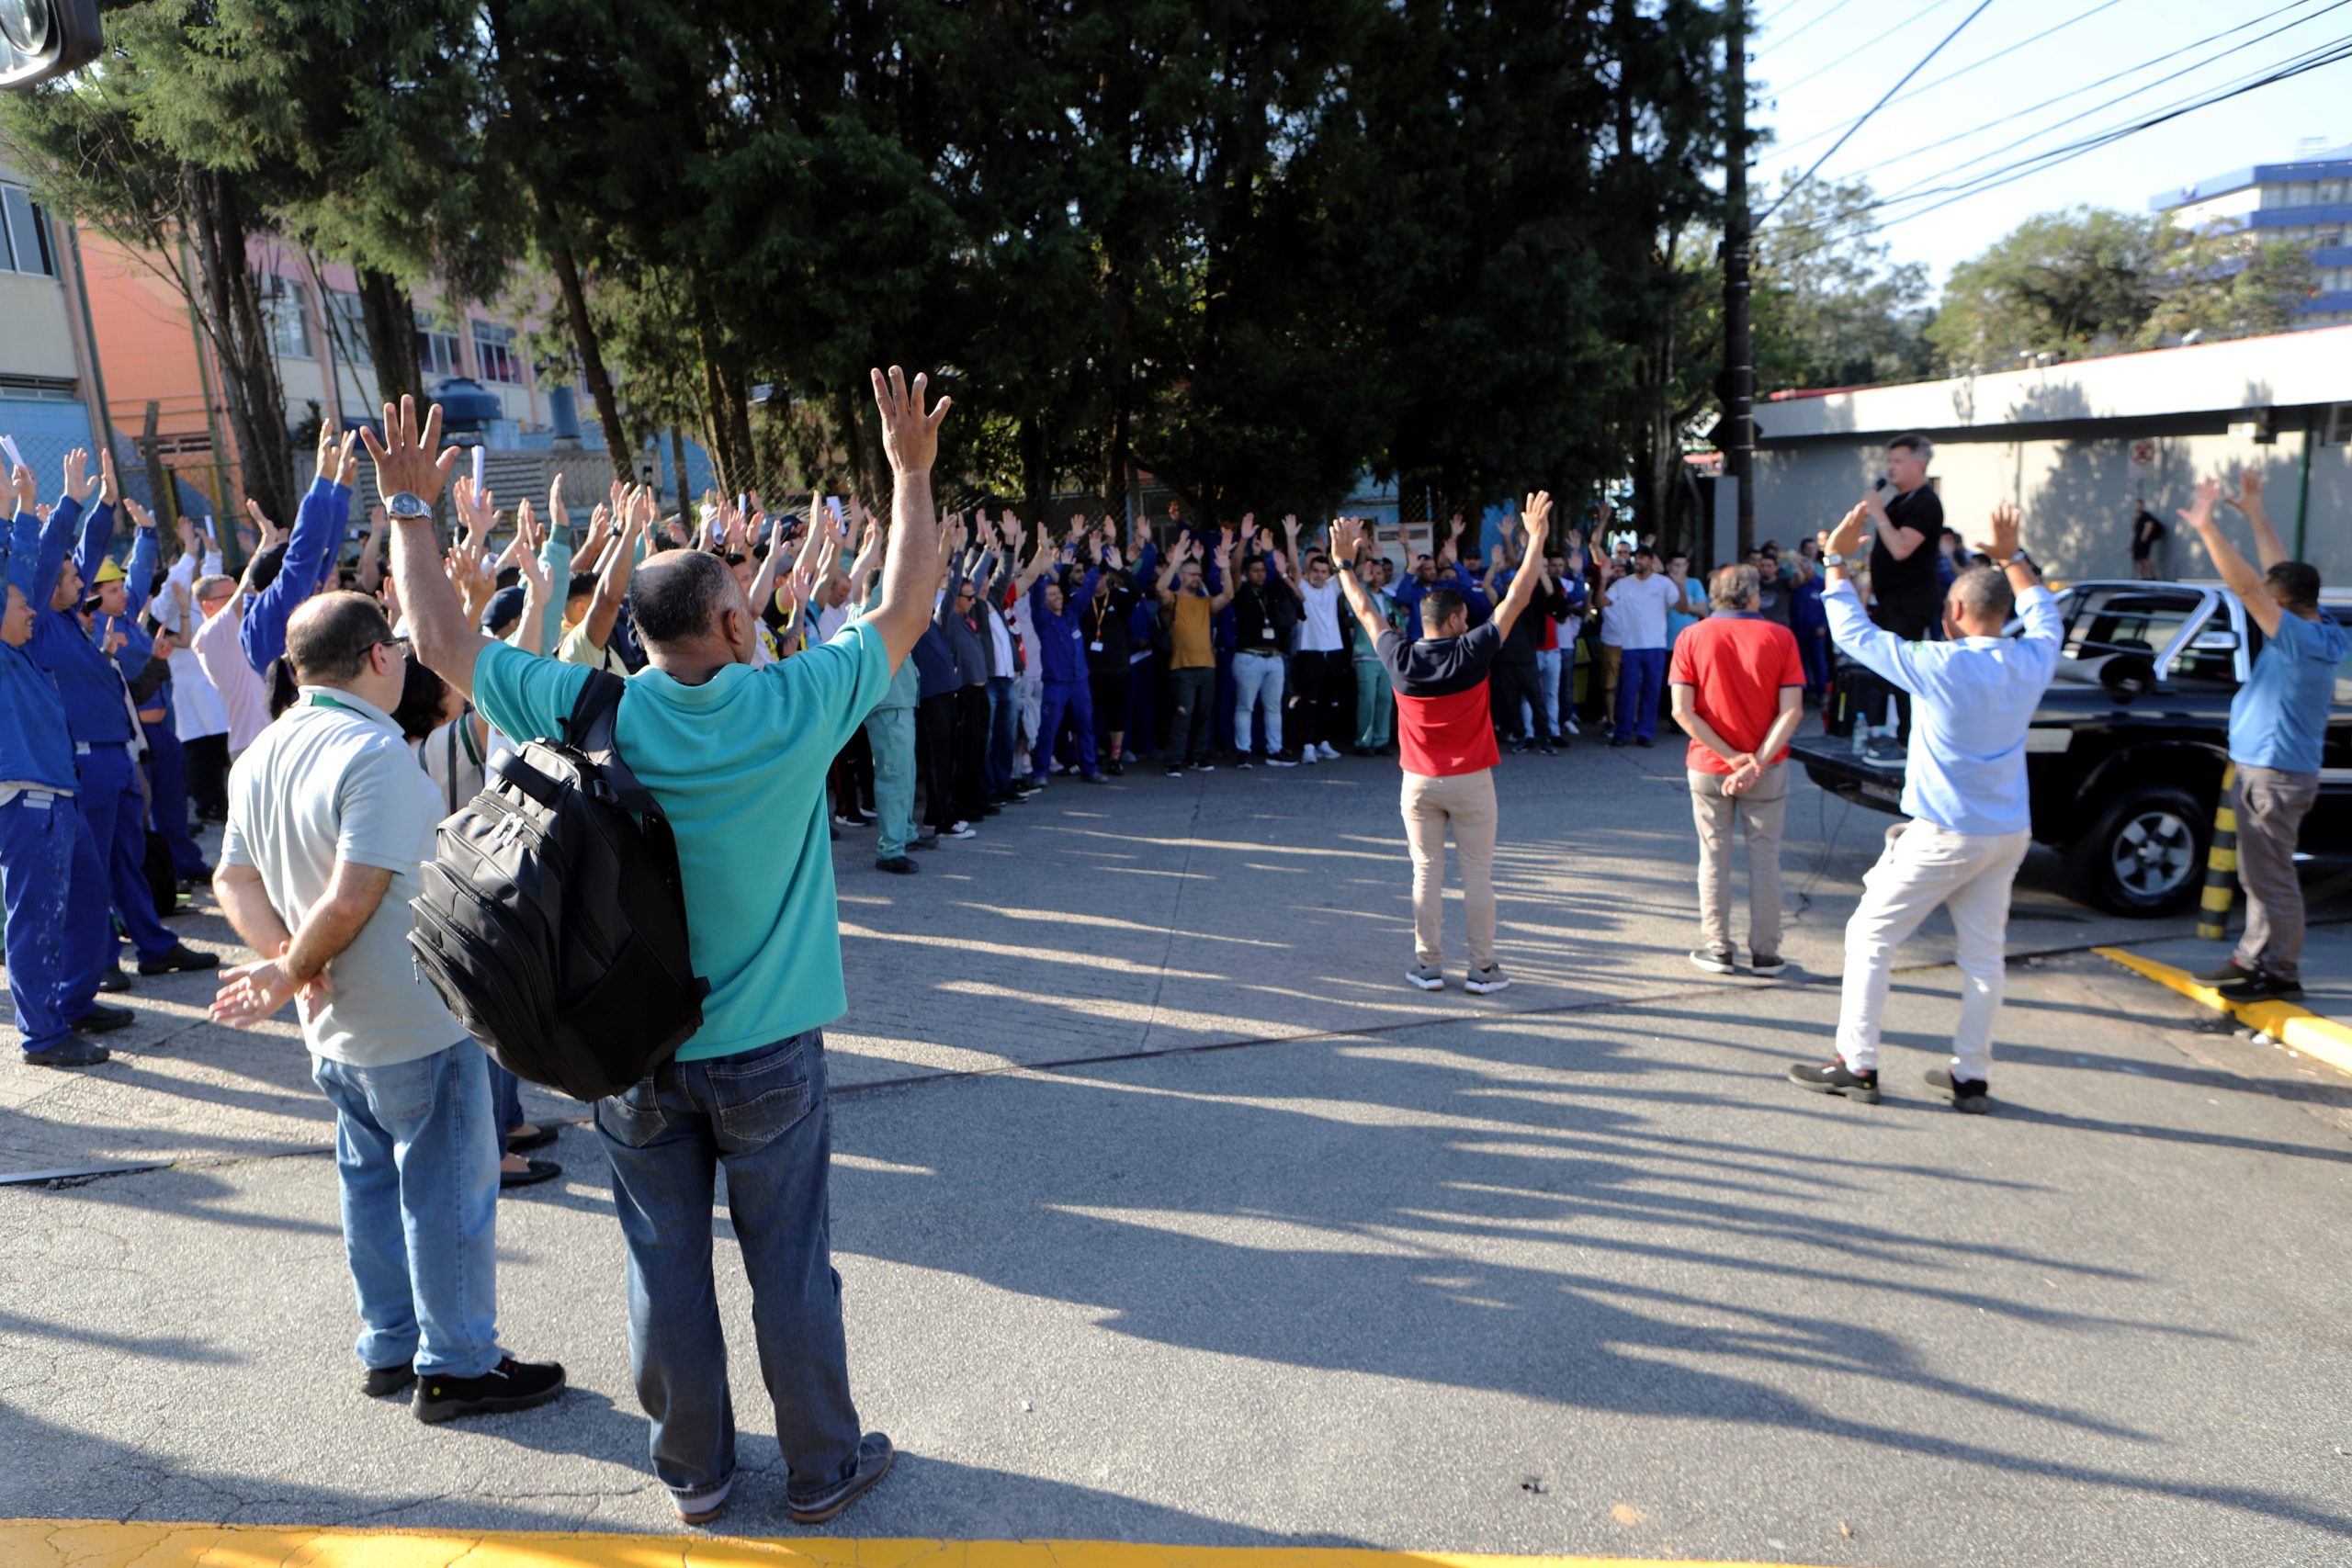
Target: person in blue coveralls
{"type": "Point", "coordinates": [100, 716]}
{"type": "Point", "coordinates": [40, 830]}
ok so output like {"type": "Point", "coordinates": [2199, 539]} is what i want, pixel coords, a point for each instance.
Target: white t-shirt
{"type": "Point", "coordinates": [197, 709]}
{"type": "Point", "coordinates": [1318, 624]}
{"type": "Point", "coordinates": [1638, 605]}
{"type": "Point", "coordinates": [237, 682]}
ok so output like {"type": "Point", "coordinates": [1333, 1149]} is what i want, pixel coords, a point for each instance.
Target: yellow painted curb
{"type": "Point", "coordinates": [98, 1543]}
{"type": "Point", "coordinates": [2298, 1029]}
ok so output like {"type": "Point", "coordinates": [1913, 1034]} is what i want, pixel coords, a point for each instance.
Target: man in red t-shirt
{"type": "Point", "coordinates": [1445, 741]}
{"type": "Point", "coordinates": [1738, 685]}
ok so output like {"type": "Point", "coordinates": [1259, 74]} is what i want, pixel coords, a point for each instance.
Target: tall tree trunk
{"type": "Point", "coordinates": [678, 461]}
{"type": "Point", "coordinates": [590, 351]}
{"type": "Point", "coordinates": [388, 317]}
{"type": "Point", "coordinates": [230, 309]}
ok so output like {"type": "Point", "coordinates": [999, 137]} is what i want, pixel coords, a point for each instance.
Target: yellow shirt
{"type": "Point", "coordinates": [1187, 633]}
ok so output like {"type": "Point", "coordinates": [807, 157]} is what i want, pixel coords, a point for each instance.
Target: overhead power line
{"type": "Point", "coordinates": [1919, 15]}
{"type": "Point", "coordinates": [1804, 28]}
{"type": "Point", "coordinates": [1954, 75]}
{"type": "Point", "coordinates": [2075, 94]}
{"type": "Point", "coordinates": [1882, 103]}
{"type": "Point", "coordinates": [2311, 59]}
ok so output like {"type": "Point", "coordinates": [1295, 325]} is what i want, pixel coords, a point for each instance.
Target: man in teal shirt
{"type": "Point", "coordinates": [2277, 734]}
{"type": "Point", "coordinates": [738, 758]}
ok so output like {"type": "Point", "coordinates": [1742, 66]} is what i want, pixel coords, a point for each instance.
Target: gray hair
{"type": "Point", "coordinates": [675, 599]}
{"type": "Point", "coordinates": [1735, 587]}
{"type": "Point", "coordinates": [1912, 441]}
{"type": "Point", "coordinates": [1985, 593]}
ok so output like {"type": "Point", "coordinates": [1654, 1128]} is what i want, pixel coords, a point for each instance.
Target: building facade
{"type": "Point", "coordinates": [2079, 446]}
{"type": "Point", "coordinates": [2307, 200]}
{"type": "Point", "coordinates": [47, 392]}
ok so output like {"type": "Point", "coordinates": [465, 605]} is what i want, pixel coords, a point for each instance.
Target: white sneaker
{"type": "Point", "coordinates": [1309, 755]}
{"type": "Point", "coordinates": [1331, 753]}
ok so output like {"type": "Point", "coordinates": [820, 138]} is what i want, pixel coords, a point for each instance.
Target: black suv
{"type": "Point", "coordinates": [2124, 759]}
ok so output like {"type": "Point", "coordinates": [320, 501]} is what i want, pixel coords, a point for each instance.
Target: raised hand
{"type": "Point", "coordinates": [2005, 522]}
{"type": "Point", "coordinates": [910, 433]}
{"type": "Point", "coordinates": [139, 516]}
{"type": "Point", "coordinates": [270, 532]}
{"type": "Point", "coordinates": [1347, 539]}
{"type": "Point", "coordinates": [1847, 537]}
{"type": "Point", "coordinates": [2249, 495]}
{"type": "Point", "coordinates": [411, 461]}
{"type": "Point", "coordinates": [109, 486]}
{"type": "Point", "coordinates": [2198, 512]}
{"type": "Point", "coordinates": [27, 488]}
{"type": "Point", "coordinates": [338, 452]}
{"type": "Point", "coordinates": [78, 483]}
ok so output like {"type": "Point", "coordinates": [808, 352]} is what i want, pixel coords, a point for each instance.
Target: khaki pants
{"type": "Point", "coordinates": [1759, 812]}
{"type": "Point", "coordinates": [1613, 664]}
{"type": "Point", "coordinates": [1466, 802]}
{"type": "Point", "coordinates": [2271, 807]}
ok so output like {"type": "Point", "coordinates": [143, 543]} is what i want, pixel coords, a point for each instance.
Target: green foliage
{"type": "Point", "coordinates": [2089, 281]}
{"type": "Point", "coordinates": [1831, 310]}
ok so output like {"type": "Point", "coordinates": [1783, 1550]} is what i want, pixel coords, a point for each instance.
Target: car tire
{"type": "Point", "coordinates": [2143, 854]}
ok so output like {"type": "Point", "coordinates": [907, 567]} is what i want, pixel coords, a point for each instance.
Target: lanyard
{"type": "Point", "coordinates": [321, 700]}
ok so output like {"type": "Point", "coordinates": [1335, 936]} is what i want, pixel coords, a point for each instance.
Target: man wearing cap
{"type": "Point", "coordinates": [98, 714]}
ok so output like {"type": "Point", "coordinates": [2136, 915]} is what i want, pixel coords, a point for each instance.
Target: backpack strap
{"type": "Point", "coordinates": [590, 731]}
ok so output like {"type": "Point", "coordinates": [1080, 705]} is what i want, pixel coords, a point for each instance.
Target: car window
{"type": "Point", "coordinates": [2208, 655]}
{"type": "Point", "coordinates": [2105, 621]}
{"type": "Point", "coordinates": [2342, 616]}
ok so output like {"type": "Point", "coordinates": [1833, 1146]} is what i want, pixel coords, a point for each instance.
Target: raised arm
{"type": "Point", "coordinates": [1534, 519]}
{"type": "Point", "coordinates": [1346, 544]}
{"type": "Point", "coordinates": [1849, 624]}
{"type": "Point", "coordinates": [2243, 580]}
{"type": "Point", "coordinates": [1224, 577]}
{"type": "Point", "coordinates": [97, 523]}
{"type": "Point", "coordinates": [620, 562]}
{"type": "Point", "coordinates": [317, 524]}
{"type": "Point", "coordinates": [410, 460]}
{"type": "Point", "coordinates": [2267, 546]}
{"type": "Point", "coordinates": [910, 439]}
{"type": "Point", "coordinates": [146, 554]}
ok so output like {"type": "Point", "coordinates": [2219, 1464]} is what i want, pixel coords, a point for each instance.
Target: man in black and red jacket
{"type": "Point", "coordinates": [1445, 741]}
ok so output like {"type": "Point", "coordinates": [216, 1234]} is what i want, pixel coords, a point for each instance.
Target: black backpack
{"type": "Point", "coordinates": [551, 919]}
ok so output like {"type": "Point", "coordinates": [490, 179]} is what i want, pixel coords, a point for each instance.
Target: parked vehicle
{"type": "Point", "coordinates": [2125, 755]}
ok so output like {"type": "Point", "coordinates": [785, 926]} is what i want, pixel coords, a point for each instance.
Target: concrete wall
{"type": "Point", "coordinates": [2077, 494]}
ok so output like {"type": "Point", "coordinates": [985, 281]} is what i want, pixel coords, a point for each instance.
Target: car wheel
{"type": "Point", "coordinates": [2145, 855]}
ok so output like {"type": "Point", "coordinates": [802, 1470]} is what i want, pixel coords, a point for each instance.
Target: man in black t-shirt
{"type": "Point", "coordinates": [2147, 532]}
{"type": "Point", "coordinates": [1907, 525]}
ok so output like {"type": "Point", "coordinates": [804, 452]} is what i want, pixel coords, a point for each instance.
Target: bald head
{"type": "Point", "coordinates": [329, 638]}
{"type": "Point", "coordinates": [1979, 603]}
{"type": "Point", "coordinates": [690, 613]}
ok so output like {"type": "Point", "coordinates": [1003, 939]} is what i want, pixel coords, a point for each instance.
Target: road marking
{"type": "Point", "coordinates": [2298, 1029]}
{"type": "Point", "coordinates": [100, 1543]}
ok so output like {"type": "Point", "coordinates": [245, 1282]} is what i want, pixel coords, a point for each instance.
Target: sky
{"type": "Point", "coordinates": [1801, 39]}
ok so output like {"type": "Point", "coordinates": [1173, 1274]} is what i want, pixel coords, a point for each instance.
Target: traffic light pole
{"type": "Point", "coordinates": [1738, 426]}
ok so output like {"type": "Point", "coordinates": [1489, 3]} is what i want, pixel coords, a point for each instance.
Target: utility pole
{"type": "Point", "coordinates": [1737, 430]}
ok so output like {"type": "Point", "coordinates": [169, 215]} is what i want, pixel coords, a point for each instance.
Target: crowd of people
{"type": "Point", "coordinates": [829, 670]}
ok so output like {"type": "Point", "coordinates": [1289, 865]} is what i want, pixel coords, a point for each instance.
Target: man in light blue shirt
{"type": "Point", "coordinates": [737, 756]}
{"type": "Point", "coordinates": [2278, 734]}
{"type": "Point", "coordinates": [1964, 790]}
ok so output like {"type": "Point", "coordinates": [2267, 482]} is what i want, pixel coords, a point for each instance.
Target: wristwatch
{"type": "Point", "coordinates": [1832, 558]}
{"type": "Point", "coordinates": [406, 507]}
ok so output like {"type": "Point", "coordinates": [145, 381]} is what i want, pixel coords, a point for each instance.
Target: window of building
{"type": "Point", "coordinates": [349, 321]}
{"type": "Point", "coordinates": [285, 306]}
{"type": "Point", "coordinates": [24, 234]}
{"type": "Point", "coordinates": [494, 352]}
{"type": "Point", "coordinates": [2329, 192]}
{"type": "Point", "coordinates": [436, 350]}
{"type": "Point", "coordinates": [2298, 194]}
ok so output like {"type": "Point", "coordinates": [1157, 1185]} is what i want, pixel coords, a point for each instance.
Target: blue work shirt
{"type": "Point", "coordinates": [1974, 700]}
{"type": "Point", "coordinates": [36, 747]}
{"type": "Point", "coordinates": [97, 709]}
{"type": "Point", "coordinates": [1061, 646]}
{"type": "Point", "coordinates": [1409, 591]}
{"type": "Point", "coordinates": [2279, 719]}
{"type": "Point", "coordinates": [137, 645]}
{"type": "Point", "coordinates": [311, 551]}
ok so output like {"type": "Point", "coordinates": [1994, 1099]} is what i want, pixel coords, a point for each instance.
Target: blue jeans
{"type": "Point", "coordinates": [417, 1159]}
{"type": "Point", "coordinates": [1640, 678]}
{"type": "Point", "coordinates": [37, 838]}
{"type": "Point", "coordinates": [506, 1100]}
{"type": "Point", "coordinates": [1005, 731]}
{"type": "Point", "coordinates": [109, 802]}
{"type": "Point", "coordinates": [1547, 681]}
{"type": "Point", "coordinates": [1257, 677]}
{"type": "Point", "coordinates": [762, 1114]}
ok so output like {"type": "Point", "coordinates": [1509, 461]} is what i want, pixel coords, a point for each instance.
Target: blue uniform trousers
{"type": "Point", "coordinates": [1641, 678]}
{"type": "Point", "coordinates": [168, 778]}
{"type": "Point", "coordinates": [37, 837]}
{"type": "Point", "coordinates": [1070, 701]}
{"type": "Point", "coordinates": [110, 803]}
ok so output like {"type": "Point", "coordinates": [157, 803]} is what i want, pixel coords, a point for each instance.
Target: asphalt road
{"type": "Point", "coordinates": [1166, 1214]}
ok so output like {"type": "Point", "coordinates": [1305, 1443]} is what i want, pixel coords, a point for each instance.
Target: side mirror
{"type": "Point", "coordinates": [41, 39]}
{"type": "Point", "coordinates": [2128, 676]}
{"type": "Point", "coordinates": [2214, 642]}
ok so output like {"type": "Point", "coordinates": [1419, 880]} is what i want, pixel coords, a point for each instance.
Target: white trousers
{"type": "Point", "coordinates": [1925, 865]}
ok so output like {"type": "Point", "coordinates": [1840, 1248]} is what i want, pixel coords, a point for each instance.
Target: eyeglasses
{"type": "Point", "coordinates": [400, 643]}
